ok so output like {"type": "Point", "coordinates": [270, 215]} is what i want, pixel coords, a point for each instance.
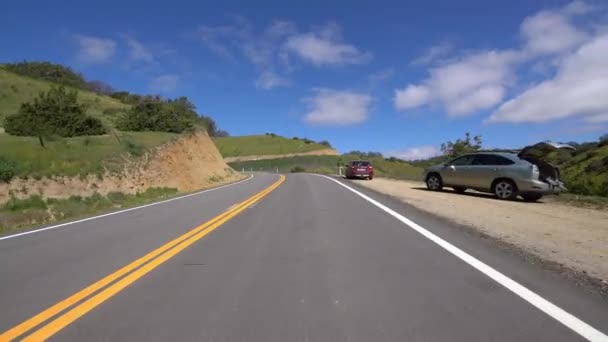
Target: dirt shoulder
{"type": "Point", "coordinates": [574, 237]}
{"type": "Point", "coordinates": [324, 152]}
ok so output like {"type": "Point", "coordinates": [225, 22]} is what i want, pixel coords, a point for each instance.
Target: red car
{"type": "Point", "coordinates": [360, 169]}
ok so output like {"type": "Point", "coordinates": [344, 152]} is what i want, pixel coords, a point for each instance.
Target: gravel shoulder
{"type": "Point", "coordinates": [574, 237]}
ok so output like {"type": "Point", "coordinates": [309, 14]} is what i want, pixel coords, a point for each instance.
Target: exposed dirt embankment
{"type": "Point", "coordinates": [323, 152]}
{"type": "Point", "coordinates": [189, 163]}
{"type": "Point", "coordinates": [571, 236]}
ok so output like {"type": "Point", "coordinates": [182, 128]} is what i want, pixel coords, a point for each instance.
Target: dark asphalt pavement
{"type": "Point", "coordinates": [312, 261]}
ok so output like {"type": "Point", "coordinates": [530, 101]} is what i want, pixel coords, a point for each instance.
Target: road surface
{"type": "Point", "coordinates": [301, 258]}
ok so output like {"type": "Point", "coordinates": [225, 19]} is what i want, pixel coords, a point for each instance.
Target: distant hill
{"type": "Point", "coordinates": [269, 144]}
{"type": "Point", "coordinates": [383, 167]}
{"type": "Point", "coordinates": [16, 89]}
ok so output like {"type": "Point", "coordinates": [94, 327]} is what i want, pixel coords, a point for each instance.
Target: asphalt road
{"type": "Point", "coordinates": [308, 261]}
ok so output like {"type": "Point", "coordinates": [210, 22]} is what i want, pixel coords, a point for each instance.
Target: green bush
{"type": "Point", "coordinates": [297, 169]}
{"type": "Point", "coordinates": [117, 197]}
{"type": "Point", "coordinates": [56, 112]}
{"type": "Point", "coordinates": [155, 115]}
{"type": "Point", "coordinates": [8, 169]}
{"type": "Point", "coordinates": [325, 143]}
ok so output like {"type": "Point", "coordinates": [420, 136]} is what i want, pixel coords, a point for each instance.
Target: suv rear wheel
{"type": "Point", "coordinates": [505, 189]}
{"type": "Point", "coordinates": [434, 182]}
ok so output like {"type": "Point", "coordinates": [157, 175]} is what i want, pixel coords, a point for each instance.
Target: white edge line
{"type": "Point", "coordinates": [120, 211]}
{"type": "Point", "coordinates": [559, 314]}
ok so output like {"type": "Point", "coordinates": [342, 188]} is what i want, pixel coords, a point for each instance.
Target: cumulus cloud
{"type": "Point", "coordinates": [550, 32]}
{"type": "Point", "coordinates": [481, 80]}
{"type": "Point", "coordinates": [415, 153]}
{"type": "Point", "coordinates": [473, 82]}
{"type": "Point", "coordinates": [164, 83]}
{"type": "Point", "coordinates": [337, 108]}
{"type": "Point", "coordinates": [578, 88]}
{"type": "Point", "coordinates": [270, 50]}
{"type": "Point", "coordinates": [326, 47]}
{"type": "Point", "coordinates": [94, 50]}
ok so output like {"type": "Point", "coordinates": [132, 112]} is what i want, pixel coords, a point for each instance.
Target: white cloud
{"type": "Point", "coordinates": [473, 82]}
{"type": "Point", "coordinates": [411, 96]}
{"type": "Point", "coordinates": [434, 53]}
{"type": "Point", "coordinates": [165, 83]}
{"type": "Point", "coordinates": [550, 32]}
{"type": "Point", "coordinates": [578, 88]}
{"type": "Point", "coordinates": [338, 108]}
{"type": "Point", "coordinates": [137, 50]}
{"type": "Point", "coordinates": [481, 80]}
{"type": "Point", "coordinates": [269, 80]}
{"type": "Point", "coordinates": [94, 50]}
{"type": "Point", "coordinates": [415, 153]}
{"type": "Point", "coordinates": [326, 47]}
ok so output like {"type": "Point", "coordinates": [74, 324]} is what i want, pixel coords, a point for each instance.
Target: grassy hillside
{"type": "Point", "coordinates": [16, 89]}
{"type": "Point", "coordinates": [75, 156]}
{"type": "Point", "coordinates": [328, 165]}
{"type": "Point", "coordinates": [585, 170]}
{"type": "Point", "coordinates": [263, 145]}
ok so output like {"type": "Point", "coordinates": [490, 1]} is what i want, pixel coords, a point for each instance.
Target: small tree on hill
{"type": "Point", "coordinates": [56, 112]}
{"type": "Point", "coordinates": [461, 146]}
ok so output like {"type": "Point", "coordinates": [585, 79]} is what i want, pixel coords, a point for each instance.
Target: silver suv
{"type": "Point", "coordinates": [505, 174]}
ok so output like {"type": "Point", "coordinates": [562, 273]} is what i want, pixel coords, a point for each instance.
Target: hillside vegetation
{"type": "Point", "coordinates": [16, 90]}
{"type": "Point", "coordinates": [584, 170]}
{"type": "Point", "coordinates": [329, 165]}
{"type": "Point", "coordinates": [256, 145]}
{"type": "Point", "coordinates": [77, 155]}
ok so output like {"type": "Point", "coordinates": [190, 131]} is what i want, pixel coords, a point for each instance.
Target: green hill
{"type": "Point", "coordinates": [255, 145]}
{"type": "Point", "coordinates": [329, 165]}
{"type": "Point", "coordinates": [584, 170]}
{"type": "Point", "coordinates": [16, 89]}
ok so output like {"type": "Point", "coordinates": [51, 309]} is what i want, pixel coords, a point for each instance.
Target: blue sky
{"type": "Point", "coordinates": [379, 75]}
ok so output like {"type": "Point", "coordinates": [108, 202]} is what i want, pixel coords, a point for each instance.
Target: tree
{"type": "Point", "coordinates": [152, 115]}
{"type": "Point", "coordinates": [461, 146]}
{"type": "Point", "coordinates": [56, 112]}
{"type": "Point", "coordinates": [325, 143]}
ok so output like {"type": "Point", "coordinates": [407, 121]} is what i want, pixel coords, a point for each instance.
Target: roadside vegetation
{"type": "Point", "coordinates": [24, 157]}
{"type": "Point", "coordinates": [383, 167]}
{"type": "Point", "coordinates": [56, 123]}
{"type": "Point", "coordinates": [32, 211]}
{"type": "Point", "coordinates": [270, 143]}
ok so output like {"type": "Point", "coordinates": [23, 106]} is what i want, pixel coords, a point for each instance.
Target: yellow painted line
{"type": "Point", "coordinates": [174, 247]}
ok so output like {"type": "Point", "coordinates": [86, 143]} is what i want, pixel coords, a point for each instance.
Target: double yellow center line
{"type": "Point", "coordinates": [100, 291]}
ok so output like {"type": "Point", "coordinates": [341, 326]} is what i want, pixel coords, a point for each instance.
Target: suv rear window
{"type": "Point", "coordinates": [360, 163]}
{"type": "Point", "coordinates": [491, 159]}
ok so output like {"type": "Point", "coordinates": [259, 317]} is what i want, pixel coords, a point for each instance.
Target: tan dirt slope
{"type": "Point", "coordinates": [189, 163]}
{"type": "Point", "coordinates": [571, 236]}
{"type": "Point", "coordinates": [323, 152]}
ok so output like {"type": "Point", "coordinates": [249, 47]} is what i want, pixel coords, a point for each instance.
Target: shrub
{"type": "Point", "coordinates": [56, 112]}
{"type": "Point", "coordinates": [297, 169]}
{"type": "Point", "coordinates": [8, 169]}
{"type": "Point", "coordinates": [325, 143]}
{"type": "Point", "coordinates": [153, 115]}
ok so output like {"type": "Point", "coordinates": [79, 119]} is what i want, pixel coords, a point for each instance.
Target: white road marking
{"type": "Point", "coordinates": [559, 314]}
{"type": "Point", "coordinates": [120, 211]}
